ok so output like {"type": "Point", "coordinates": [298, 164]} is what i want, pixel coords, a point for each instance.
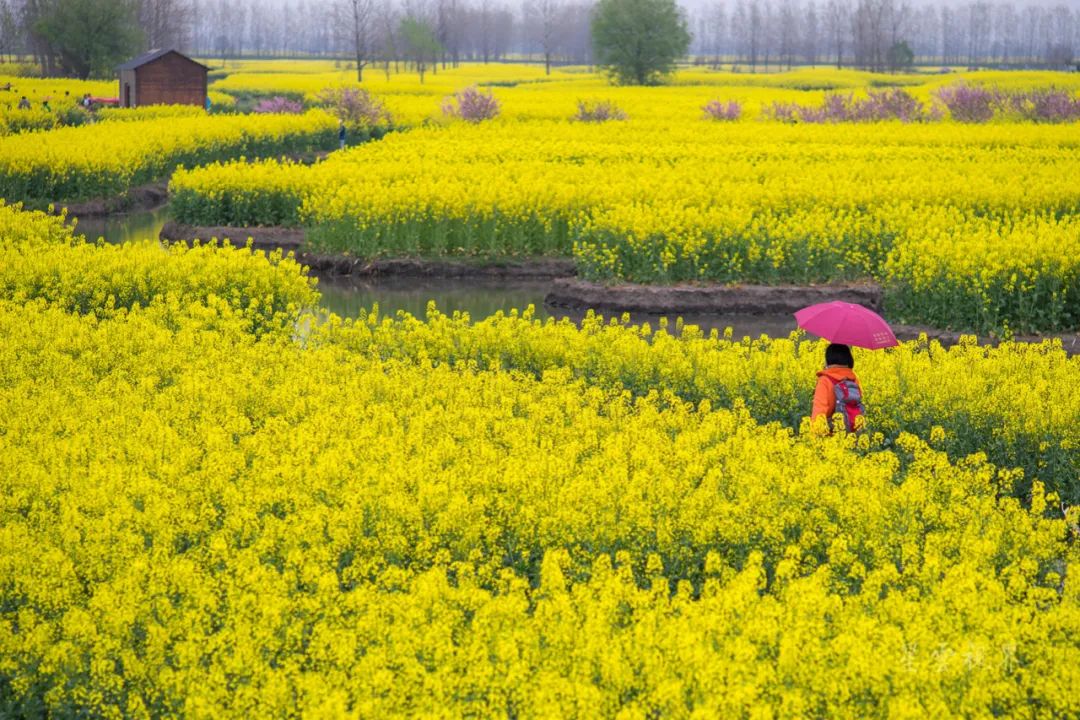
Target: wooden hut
{"type": "Point", "coordinates": [162, 77]}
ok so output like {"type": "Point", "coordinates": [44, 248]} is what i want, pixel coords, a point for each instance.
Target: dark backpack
{"type": "Point", "coordinates": [849, 403]}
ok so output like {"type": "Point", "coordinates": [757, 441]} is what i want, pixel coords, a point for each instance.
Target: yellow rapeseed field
{"type": "Point", "coordinates": [107, 158]}
{"type": "Point", "coordinates": [526, 93]}
{"type": "Point", "coordinates": [218, 500]}
{"type": "Point", "coordinates": [65, 94]}
{"type": "Point", "coordinates": [913, 206]}
{"type": "Point", "coordinates": [62, 94]}
{"type": "Point", "coordinates": [215, 504]}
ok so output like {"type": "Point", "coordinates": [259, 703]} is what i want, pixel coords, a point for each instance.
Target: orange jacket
{"type": "Point", "coordinates": [825, 396]}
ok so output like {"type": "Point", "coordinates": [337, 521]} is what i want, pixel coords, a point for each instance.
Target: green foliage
{"type": "Point", "coordinates": [89, 37]}
{"type": "Point", "coordinates": [901, 56]}
{"type": "Point", "coordinates": [638, 41]}
{"type": "Point", "coordinates": [421, 45]}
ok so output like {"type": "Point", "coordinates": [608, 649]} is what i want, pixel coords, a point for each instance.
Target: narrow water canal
{"type": "Point", "coordinates": [124, 228]}
{"type": "Point", "coordinates": [478, 298]}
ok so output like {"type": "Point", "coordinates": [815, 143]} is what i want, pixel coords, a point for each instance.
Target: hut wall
{"type": "Point", "coordinates": [127, 94]}
{"type": "Point", "coordinates": [171, 79]}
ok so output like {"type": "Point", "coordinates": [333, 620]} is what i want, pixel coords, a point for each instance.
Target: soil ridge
{"type": "Point", "coordinates": [150, 196]}
{"type": "Point", "coordinates": [293, 240]}
{"type": "Point", "coordinates": [706, 298]}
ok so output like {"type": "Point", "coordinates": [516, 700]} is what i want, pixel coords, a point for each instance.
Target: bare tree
{"type": "Point", "coordinates": [877, 25]}
{"type": "Point", "coordinates": [978, 31]}
{"type": "Point", "coordinates": [787, 32]}
{"type": "Point", "coordinates": [542, 23]}
{"type": "Point", "coordinates": [756, 33]}
{"type": "Point", "coordinates": [1001, 33]}
{"type": "Point", "coordinates": [768, 31]}
{"type": "Point", "coordinates": [1005, 28]}
{"type": "Point", "coordinates": [717, 25]}
{"type": "Point", "coordinates": [390, 25]}
{"type": "Point", "coordinates": [837, 24]}
{"type": "Point", "coordinates": [486, 27]}
{"type": "Point", "coordinates": [358, 19]}
{"type": "Point", "coordinates": [165, 23]}
{"type": "Point", "coordinates": [576, 33]}
{"type": "Point", "coordinates": [9, 31]}
{"type": "Point", "coordinates": [811, 31]}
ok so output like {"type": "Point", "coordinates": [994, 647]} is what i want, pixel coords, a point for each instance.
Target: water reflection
{"type": "Point", "coordinates": [477, 297]}
{"type": "Point", "coordinates": [481, 298]}
{"type": "Point", "coordinates": [141, 225]}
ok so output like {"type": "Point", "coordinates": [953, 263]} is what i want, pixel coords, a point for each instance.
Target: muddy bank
{"type": "Point", "coordinates": [501, 269]}
{"type": "Point", "coordinates": [712, 306]}
{"type": "Point", "coordinates": [154, 195]}
{"type": "Point", "coordinates": [339, 266]}
{"type": "Point", "coordinates": [1069, 341]}
{"type": "Point", "coordinates": [548, 285]}
{"type": "Point", "coordinates": [144, 197]}
{"type": "Point", "coordinates": [262, 238]}
{"type": "Point", "coordinates": [693, 299]}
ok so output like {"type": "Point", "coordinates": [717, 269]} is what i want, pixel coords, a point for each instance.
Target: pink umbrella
{"type": "Point", "coordinates": [847, 323]}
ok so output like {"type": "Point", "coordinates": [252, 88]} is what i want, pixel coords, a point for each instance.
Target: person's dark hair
{"type": "Point", "coordinates": [837, 354]}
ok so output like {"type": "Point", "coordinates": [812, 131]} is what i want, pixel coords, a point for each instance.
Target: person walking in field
{"type": "Point", "coordinates": [838, 401]}
{"type": "Point", "coordinates": [341, 133]}
{"type": "Point", "coordinates": [24, 104]}
{"type": "Point", "coordinates": [838, 397]}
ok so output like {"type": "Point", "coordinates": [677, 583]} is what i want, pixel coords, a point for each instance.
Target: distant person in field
{"type": "Point", "coordinates": [24, 104]}
{"type": "Point", "coordinates": [5, 87]}
{"type": "Point", "coordinates": [208, 103]}
{"type": "Point", "coordinates": [838, 397]}
{"type": "Point", "coordinates": [341, 133]}
{"type": "Point", "coordinates": [45, 105]}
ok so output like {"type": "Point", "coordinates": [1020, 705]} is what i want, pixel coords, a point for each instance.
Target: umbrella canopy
{"type": "Point", "coordinates": [847, 323]}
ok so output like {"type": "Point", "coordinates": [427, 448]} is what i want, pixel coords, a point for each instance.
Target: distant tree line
{"type": "Point", "coordinates": [386, 31]}
{"type": "Point", "coordinates": [86, 37]}
{"type": "Point", "coordinates": [885, 34]}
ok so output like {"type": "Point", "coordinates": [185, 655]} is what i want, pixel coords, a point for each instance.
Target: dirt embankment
{"type": "Point", "coordinates": [144, 197]}
{"type": "Point", "coordinates": [719, 299]}
{"type": "Point", "coordinates": [705, 305]}
{"type": "Point", "coordinates": [292, 240]}
{"type": "Point", "coordinates": [1070, 342]}
{"type": "Point", "coordinates": [153, 195]}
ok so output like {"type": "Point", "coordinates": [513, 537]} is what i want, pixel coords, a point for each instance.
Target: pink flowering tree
{"type": "Point", "coordinates": [356, 107]}
{"type": "Point", "coordinates": [877, 106]}
{"type": "Point", "coordinates": [969, 103]}
{"type": "Point", "coordinates": [471, 105]}
{"type": "Point", "coordinates": [279, 104]}
{"type": "Point", "coordinates": [723, 111]}
{"type": "Point", "coordinates": [598, 111]}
